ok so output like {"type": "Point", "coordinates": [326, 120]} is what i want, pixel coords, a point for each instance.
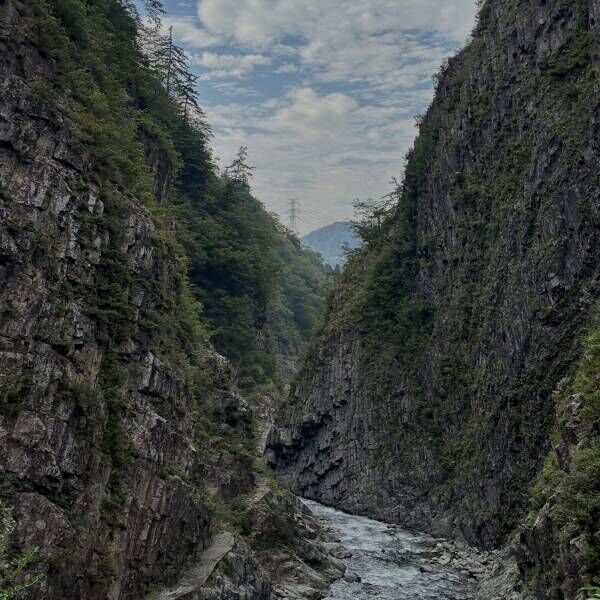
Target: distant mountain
{"type": "Point", "coordinates": [330, 240]}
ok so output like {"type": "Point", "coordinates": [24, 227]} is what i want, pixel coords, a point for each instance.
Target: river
{"type": "Point", "coordinates": [392, 563]}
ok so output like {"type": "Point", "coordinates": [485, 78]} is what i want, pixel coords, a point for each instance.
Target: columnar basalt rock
{"type": "Point", "coordinates": [450, 436]}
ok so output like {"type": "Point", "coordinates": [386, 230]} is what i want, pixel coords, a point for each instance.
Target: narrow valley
{"type": "Point", "coordinates": [194, 405]}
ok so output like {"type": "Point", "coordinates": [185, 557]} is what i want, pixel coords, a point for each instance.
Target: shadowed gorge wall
{"type": "Point", "coordinates": [429, 397]}
{"type": "Point", "coordinates": [124, 441]}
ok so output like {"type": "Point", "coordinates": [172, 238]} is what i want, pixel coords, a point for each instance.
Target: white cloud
{"type": "Point", "coordinates": [233, 88]}
{"type": "Point", "coordinates": [371, 42]}
{"type": "Point", "coordinates": [364, 70]}
{"type": "Point", "coordinates": [287, 68]}
{"type": "Point", "coordinates": [262, 22]}
{"type": "Point", "coordinates": [223, 66]}
{"type": "Point", "coordinates": [187, 31]}
{"type": "Point", "coordinates": [326, 149]}
{"type": "Point", "coordinates": [210, 60]}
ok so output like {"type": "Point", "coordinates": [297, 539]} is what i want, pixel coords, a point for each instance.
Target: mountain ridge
{"type": "Point", "coordinates": [330, 241]}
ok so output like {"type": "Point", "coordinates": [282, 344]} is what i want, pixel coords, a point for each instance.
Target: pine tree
{"type": "Point", "coordinates": [239, 171]}
{"type": "Point", "coordinates": [169, 61]}
{"type": "Point", "coordinates": [154, 12]}
{"type": "Point", "coordinates": [186, 97]}
{"type": "Point", "coordinates": [150, 37]}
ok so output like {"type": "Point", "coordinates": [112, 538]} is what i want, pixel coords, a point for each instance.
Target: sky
{"type": "Point", "coordinates": [323, 92]}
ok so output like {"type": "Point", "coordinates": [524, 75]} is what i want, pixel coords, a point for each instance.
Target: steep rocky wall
{"type": "Point", "coordinates": [558, 546]}
{"type": "Point", "coordinates": [97, 445]}
{"type": "Point", "coordinates": [506, 259]}
{"type": "Point", "coordinates": [126, 452]}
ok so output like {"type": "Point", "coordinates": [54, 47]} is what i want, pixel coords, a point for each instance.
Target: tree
{"type": "Point", "coordinates": [154, 12]}
{"type": "Point", "coordinates": [169, 61]}
{"type": "Point", "coordinates": [372, 215]}
{"type": "Point", "coordinates": [149, 28]}
{"type": "Point", "coordinates": [239, 171]}
{"type": "Point", "coordinates": [187, 100]}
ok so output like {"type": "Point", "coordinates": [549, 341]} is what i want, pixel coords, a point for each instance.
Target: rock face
{"type": "Point", "coordinates": [447, 429]}
{"type": "Point", "coordinates": [66, 446]}
{"type": "Point", "coordinates": [286, 555]}
{"type": "Point", "coordinates": [108, 455]}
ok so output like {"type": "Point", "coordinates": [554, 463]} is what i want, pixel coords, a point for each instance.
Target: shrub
{"type": "Point", "coordinates": [13, 565]}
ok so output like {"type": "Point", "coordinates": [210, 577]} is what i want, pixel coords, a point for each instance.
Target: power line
{"type": "Point", "coordinates": [313, 217]}
{"type": "Point", "coordinates": [294, 215]}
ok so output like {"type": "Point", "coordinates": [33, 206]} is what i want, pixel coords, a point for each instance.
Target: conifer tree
{"type": "Point", "coordinates": [239, 171]}
{"type": "Point", "coordinates": [154, 12]}
{"type": "Point", "coordinates": [186, 97]}
{"type": "Point", "coordinates": [170, 62]}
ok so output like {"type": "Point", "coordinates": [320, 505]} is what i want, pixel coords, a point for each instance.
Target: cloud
{"type": "Point", "coordinates": [368, 42]}
{"type": "Point", "coordinates": [210, 60]}
{"type": "Point", "coordinates": [264, 22]}
{"type": "Point", "coordinates": [233, 88]}
{"type": "Point", "coordinates": [227, 65]}
{"type": "Point", "coordinates": [287, 68]}
{"type": "Point", "coordinates": [325, 149]}
{"type": "Point", "coordinates": [188, 32]}
{"type": "Point", "coordinates": [332, 115]}
{"type": "Point", "coordinates": [383, 62]}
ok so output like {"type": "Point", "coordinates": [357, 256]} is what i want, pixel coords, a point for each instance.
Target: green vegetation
{"type": "Point", "coordinates": [85, 396]}
{"type": "Point", "coordinates": [260, 292]}
{"type": "Point", "coordinates": [575, 57]}
{"type": "Point", "coordinates": [235, 516]}
{"type": "Point", "coordinates": [223, 269]}
{"type": "Point", "coordinates": [251, 276]}
{"type": "Point", "coordinates": [572, 490]}
{"type": "Point", "coordinates": [387, 310]}
{"type": "Point", "coordinates": [14, 565]}
{"type": "Point", "coordinates": [454, 261]}
{"type": "Point", "coordinates": [14, 391]}
{"type": "Point", "coordinates": [115, 442]}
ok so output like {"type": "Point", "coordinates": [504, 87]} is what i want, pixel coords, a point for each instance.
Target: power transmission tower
{"type": "Point", "coordinates": [294, 216]}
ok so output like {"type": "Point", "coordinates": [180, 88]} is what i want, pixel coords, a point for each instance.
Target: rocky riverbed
{"type": "Point", "coordinates": [389, 563]}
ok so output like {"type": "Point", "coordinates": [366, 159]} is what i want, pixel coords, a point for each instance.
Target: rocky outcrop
{"type": "Point", "coordinates": [92, 418]}
{"type": "Point", "coordinates": [285, 554]}
{"type": "Point", "coordinates": [299, 556]}
{"type": "Point", "coordinates": [558, 546]}
{"type": "Point", "coordinates": [160, 164]}
{"type": "Point", "coordinates": [236, 569]}
{"type": "Point", "coordinates": [121, 432]}
{"type": "Point", "coordinates": [446, 426]}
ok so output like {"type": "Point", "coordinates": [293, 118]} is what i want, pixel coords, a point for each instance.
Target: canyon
{"type": "Point", "coordinates": [173, 421]}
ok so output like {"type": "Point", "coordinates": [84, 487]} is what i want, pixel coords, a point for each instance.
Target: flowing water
{"type": "Point", "coordinates": [393, 564]}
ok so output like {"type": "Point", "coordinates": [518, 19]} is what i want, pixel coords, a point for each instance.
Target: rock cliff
{"type": "Point", "coordinates": [429, 398]}
{"type": "Point", "coordinates": [96, 429]}
{"type": "Point", "coordinates": [125, 446]}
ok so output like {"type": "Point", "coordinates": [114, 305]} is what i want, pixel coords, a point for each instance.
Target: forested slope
{"type": "Point", "coordinates": [124, 256]}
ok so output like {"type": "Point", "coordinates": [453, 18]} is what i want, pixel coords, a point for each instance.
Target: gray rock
{"type": "Point", "coordinates": [506, 222]}
{"type": "Point", "coordinates": [351, 577]}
